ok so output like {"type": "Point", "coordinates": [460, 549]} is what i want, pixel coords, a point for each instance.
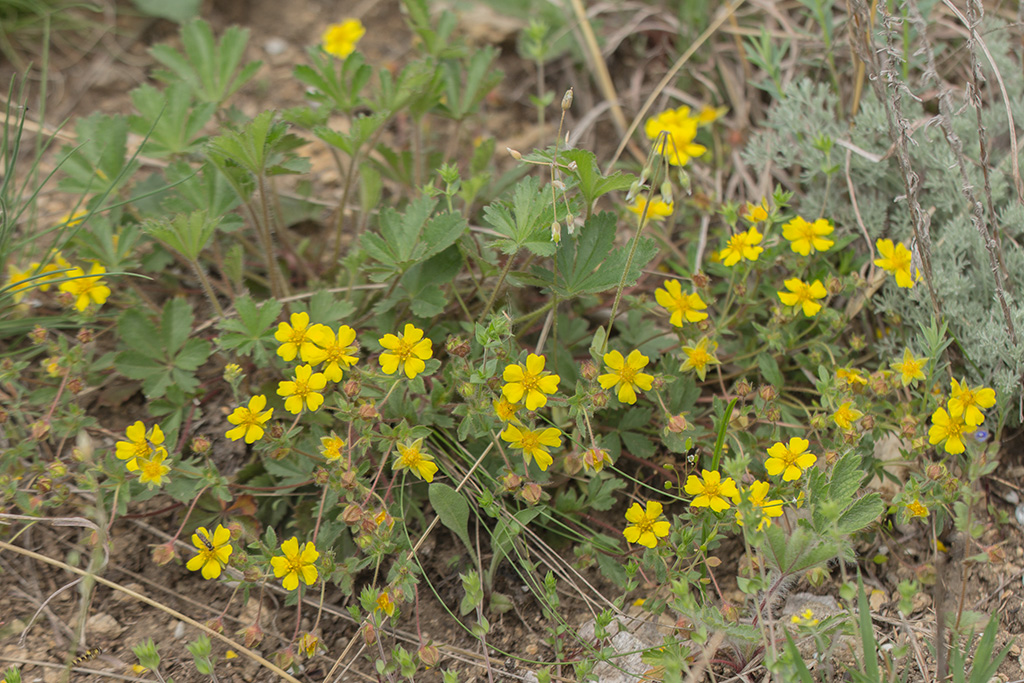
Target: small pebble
{"type": "Point", "coordinates": [1019, 514]}
{"type": "Point", "coordinates": [275, 46]}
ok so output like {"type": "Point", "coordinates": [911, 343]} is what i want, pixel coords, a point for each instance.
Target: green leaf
{"type": "Point", "coordinates": [453, 510]}
{"type": "Point", "coordinates": [187, 234]}
{"type": "Point", "coordinates": [467, 82]}
{"type": "Point", "coordinates": [170, 119]}
{"type": "Point", "coordinates": [591, 183]}
{"type": "Point", "coordinates": [333, 81]}
{"type": "Point", "coordinates": [211, 69]}
{"type": "Point", "coordinates": [178, 11]}
{"type": "Point", "coordinates": [770, 369]}
{"type": "Point", "coordinates": [526, 222]}
{"type": "Point", "coordinates": [863, 512]}
{"type": "Point", "coordinates": [845, 480]}
{"type": "Point", "coordinates": [252, 333]}
{"type": "Point", "coordinates": [591, 263]}
{"type": "Point", "coordinates": [99, 164]}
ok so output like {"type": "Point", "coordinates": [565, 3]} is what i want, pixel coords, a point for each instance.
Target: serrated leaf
{"type": "Point", "coordinates": [176, 324]}
{"type": "Point", "coordinates": [770, 369]}
{"type": "Point", "coordinates": [526, 222]}
{"type": "Point", "coordinates": [862, 513]}
{"type": "Point", "coordinates": [137, 332]}
{"type": "Point", "coordinates": [845, 480]}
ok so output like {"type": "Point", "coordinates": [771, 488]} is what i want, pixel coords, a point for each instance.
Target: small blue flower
{"type": "Point", "coordinates": [981, 435]}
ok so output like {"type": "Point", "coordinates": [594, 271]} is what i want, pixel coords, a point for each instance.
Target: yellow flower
{"type": "Point", "coordinates": [18, 282]}
{"type": "Point", "coordinates": [805, 618]}
{"type": "Point", "coordinates": [755, 213]}
{"type": "Point", "coordinates": [789, 461]}
{"type": "Point", "coordinates": [804, 295]}
{"type": "Point", "coordinates": [708, 114]}
{"type": "Point", "coordinates": [421, 464]}
{"type": "Point", "coordinates": [757, 494]}
{"type": "Point", "coordinates": [711, 490]}
{"type": "Point", "coordinates": [408, 351]}
{"type": "Point", "coordinates": [846, 415]}
{"type": "Point", "coordinates": [966, 402]}
{"type": "Point", "coordinates": [295, 564]}
{"type": "Point", "coordinates": [86, 290]}
{"type": "Point", "coordinates": [335, 352]}
{"type": "Point", "coordinates": [152, 469]}
{"type": "Point", "coordinates": [699, 357]}
{"type": "Point", "coordinates": [949, 429]}
{"type": "Point", "coordinates": [625, 374]}
{"type": "Point", "coordinates": [330, 446]}
{"type": "Point", "coordinates": [385, 604]}
{"type": "Point", "coordinates": [688, 307]}
{"type": "Point", "coordinates": [138, 446]}
{"type": "Point", "coordinates": [534, 443]}
{"type": "Point", "coordinates": [806, 238]}
{"type": "Point", "coordinates": [896, 260]}
{"type": "Point", "coordinates": [505, 410]}
{"type": "Point", "coordinates": [657, 211]}
{"type": "Point", "coordinates": [595, 459]}
{"type": "Point", "coordinates": [214, 551]}
{"type": "Point", "coordinates": [530, 380]}
{"type": "Point", "coordinates": [294, 337]}
{"type": "Point", "coordinates": [681, 129]}
{"type": "Point", "coordinates": [911, 369]}
{"type": "Point", "coordinates": [850, 377]}
{"type": "Point", "coordinates": [645, 526]}
{"type": "Point", "coordinates": [917, 509]}
{"type": "Point", "coordinates": [302, 390]}
{"type": "Point", "coordinates": [742, 245]}
{"type": "Point", "coordinates": [340, 39]}
{"type": "Point", "coordinates": [249, 420]}
{"type": "Point", "coordinates": [54, 270]}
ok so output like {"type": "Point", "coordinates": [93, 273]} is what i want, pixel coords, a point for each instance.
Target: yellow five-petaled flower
{"type": "Point", "coordinates": [214, 551]}
{"type": "Point", "coordinates": [967, 402]}
{"type": "Point", "coordinates": [140, 444]}
{"type": "Point", "coordinates": [910, 368]}
{"type": "Point", "coordinates": [710, 490]}
{"type": "Point", "coordinates": [87, 289]}
{"type": "Point", "coordinates": [657, 210]}
{"type": "Point", "coordinates": [948, 430]}
{"type": "Point", "coordinates": [789, 460]}
{"type": "Point", "coordinates": [530, 380]}
{"type": "Point", "coordinates": [803, 294]}
{"type": "Point", "coordinates": [340, 39]}
{"type": "Point", "coordinates": [896, 259]}
{"type": "Point", "coordinates": [408, 351]}
{"type": "Point", "coordinates": [806, 238]}
{"type": "Point", "coordinates": [682, 307]}
{"type": "Point", "coordinates": [303, 390]}
{"type": "Point", "coordinates": [294, 337]}
{"type": "Point", "coordinates": [742, 245]}
{"type": "Point", "coordinates": [757, 496]}
{"type": "Point", "coordinates": [249, 420]}
{"type": "Point", "coordinates": [295, 564]}
{"type": "Point", "coordinates": [152, 470]}
{"type": "Point", "coordinates": [846, 415]}
{"type": "Point", "coordinates": [645, 526]}
{"type": "Point", "coordinates": [626, 374]}
{"type": "Point", "coordinates": [699, 357]}
{"type": "Point", "coordinates": [336, 352]}
{"type": "Point", "coordinates": [534, 442]}
{"type": "Point", "coordinates": [410, 456]}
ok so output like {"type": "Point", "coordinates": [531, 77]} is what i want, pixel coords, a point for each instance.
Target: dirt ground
{"type": "Point", "coordinates": [97, 76]}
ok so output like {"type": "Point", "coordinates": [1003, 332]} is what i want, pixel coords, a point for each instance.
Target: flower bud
{"type": "Point", "coordinates": [572, 464]}
{"type": "Point", "coordinates": [833, 285]}
{"type": "Point", "coordinates": [252, 636]}
{"type": "Point", "coordinates": [589, 371]}
{"type": "Point", "coordinates": [512, 482]}
{"type": "Point", "coordinates": [677, 424]}
{"type": "Point", "coordinates": [600, 399]}
{"type": "Point", "coordinates": [164, 553]}
{"type": "Point", "coordinates": [39, 429]}
{"type": "Point", "coordinates": [37, 335]}
{"type": "Point", "coordinates": [85, 336]}
{"type": "Point", "coordinates": [596, 458]}
{"type": "Point", "coordinates": [320, 476]}
{"type": "Point", "coordinates": [368, 411]}
{"type": "Point", "coordinates": [200, 445]}
{"type": "Point", "coordinates": [767, 392]}
{"type": "Point", "coordinates": [276, 430]}
{"type": "Point", "coordinates": [514, 154]}
{"type": "Point", "coordinates": [743, 389]}
{"type": "Point", "coordinates": [351, 388]}
{"type": "Point", "coordinates": [567, 100]}
{"type": "Point", "coordinates": [429, 655]}
{"type": "Point", "coordinates": [369, 634]}
{"type": "Point", "coordinates": [215, 625]}
{"type": "Point", "coordinates": [348, 480]}
{"type": "Point", "coordinates": [352, 514]}
{"type": "Point", "coordinates": [700, 280]}
{"type": "Point", "coordinates": [867, 422]}
{"type": "Point", "coordinates": [457, 346]}
{"type": "Point", "coordinates": [531, 493]}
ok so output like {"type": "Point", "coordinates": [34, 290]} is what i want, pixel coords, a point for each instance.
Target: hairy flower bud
{"type": "Point", "coordinates": [457, 346]}
{"type": "Point", "coordinates": [37, 335]}
{"type": "Point", "coordinates": [351, 388]}
{"type": "Point", "coordinates": [767, 392]}
{"type": "Point", "coordinates": [352, 514]}
{"type": "Point", "coordinates": [200, 445]}
{"type": "Point", "coordinates": [429, 655]}
{"type": "Point", "coordinates": [368, 411]}
{"type": "Point", "coordinates": [512, 482]}
{"type": "Point", "coordinates": [164, 553]}
{"type": "Point", "coordinates": [531, 493]}
{"type": "Point", "coordinates": [589, 371]}
{"type": "Point", "coordinates": [677, 424]}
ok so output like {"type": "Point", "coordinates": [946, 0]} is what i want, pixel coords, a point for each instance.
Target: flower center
{"type": "Point", "coordinates": [530, 442]}
{"type": "Point", "coordinates": [645, 525]}
{"type": "Point", "coordinates": [711, 490]}
{"type": "Point", "coordinates": [404, 350]}
{"type": "Point", "coordinates": [301, 388]}
{"type": "Point", "coordinates": [298, 336]}
{"type": "Point", "coordinates": [627, 374]}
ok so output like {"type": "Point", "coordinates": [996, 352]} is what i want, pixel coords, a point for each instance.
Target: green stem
{"type": "Point", "coordinates": [204, 280]}
{"type": "Point", "coordinates": [497, 287]}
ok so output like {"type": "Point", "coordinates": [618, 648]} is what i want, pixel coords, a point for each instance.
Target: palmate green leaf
{"type": "Point", "coordinates": [413, 237]}
{"type": "Point", "coordinates": [99, 163]}
{"type": "Point", "coordinates": [591, 183]}
{"type": "Point", "coordinates": [209, 67]}
{"type": "Point", "coordinates": [187, 234]}
{"type": "Point", "coordinates": [252, 332]}
{"type": "Point", "coordinates": [338, 82]}
{"type": "Point", "coordinates": [172, 122]}
{"type": "Point", "coordinates": [467, 82]}
{"type": "Point", "coordinates": [861, 514]}
{"type": "Point", "coordinates": [591, 263]}
{"type": "Point", "coordinates": [526, 222]}
{"type": "Point", "coordinates": [163, 356]}
{"type": "Point", "coordinates": [360, 131]}
{"type": "Point", "coordinates": [797, 550]}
